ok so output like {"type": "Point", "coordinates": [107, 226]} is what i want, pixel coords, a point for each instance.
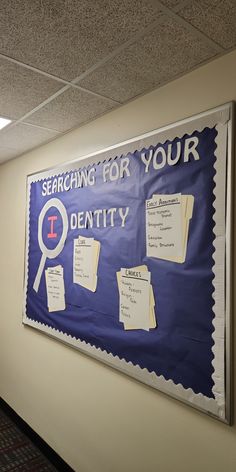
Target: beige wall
{"type": "Point", "coordinates": [97, 419]}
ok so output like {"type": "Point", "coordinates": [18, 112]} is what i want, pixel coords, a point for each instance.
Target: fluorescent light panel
{"type": "Point", "coordinates": [4, 122]}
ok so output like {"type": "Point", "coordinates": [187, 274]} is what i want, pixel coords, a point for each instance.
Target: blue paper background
{"type": "Point", "coordinates": [181, 347]}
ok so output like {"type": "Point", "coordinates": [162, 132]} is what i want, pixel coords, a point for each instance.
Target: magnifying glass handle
{"type": "Point", "coordinates": [39, 273]}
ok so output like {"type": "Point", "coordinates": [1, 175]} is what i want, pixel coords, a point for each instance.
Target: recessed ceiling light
{"type": "Point", "coordinates": [4, 122]}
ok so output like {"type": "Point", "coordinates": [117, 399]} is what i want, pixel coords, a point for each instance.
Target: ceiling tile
{"type": "Point", "coordinates": [215, 18]}
{"type": "Point", "coordinates": [6, 154]}
{"type": "Point", "coordinates": [70, 109]}
{"type": "Point", "coordinates": [65, 37]}
{"type": "Point", "coordinates": [22, 137]}
{"type": "Point", "coordinates": [21, 90]}
{"type": "Point", "coordinates": [160, 56]}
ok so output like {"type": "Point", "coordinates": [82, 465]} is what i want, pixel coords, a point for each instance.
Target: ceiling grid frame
{"type": "Point", "coordinates": [115, 103]}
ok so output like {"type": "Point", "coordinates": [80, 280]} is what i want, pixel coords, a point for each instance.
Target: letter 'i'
{"type": "Point", "coordinates": [52, 234]}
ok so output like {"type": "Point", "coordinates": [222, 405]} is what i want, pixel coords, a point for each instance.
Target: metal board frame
{"type": "Point", "coordinates": [224, 115]}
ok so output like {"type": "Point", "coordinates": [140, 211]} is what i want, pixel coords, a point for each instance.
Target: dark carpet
{"type": "Point", "coordinates": [17, 452]}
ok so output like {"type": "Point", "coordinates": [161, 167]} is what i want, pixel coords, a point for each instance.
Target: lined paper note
{"type": "Point", "coordinates": [85, 262]}
{"type": "Point", "coordinates": [167, 226]}
{"type": "Point", "coordinates": [55, 288]}
{"type": "Point", "coordinates": [163, 226]}
{"type": "Point", "coordinates": [152, 318]}
{"type": "Point", "coordinates": [134, 298]}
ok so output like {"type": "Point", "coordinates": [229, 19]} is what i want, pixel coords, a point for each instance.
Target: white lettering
{"type": "Point", "coordinates": [105, 218]}
{"type": "Point", "coordinates": [54, 185]}
{"type": "Point", "coordinates": [60, 184]}
{"type": "Point", "coordinates": [73, 221]}
{"type": "Point", "coordinates": [73, 180]}
{"type": "Point", "coordinates": [114, 175]}
{"type": "Point", "coordinates": [44, 189]}
{"type": "Point", "coordinates": [147, 160]}
{"type": "Point", "coordinates": [162, 163]}
{"type": "Point", "coordinates": [99, 218]}
{"type": "Point", "coordinates": [66, 187]}
{"type": "Point", "coordinates": [190, 148]}
{"type": "Point", "coordinates": [111, 211]}
{"type": "Point", "coordinates": [97, 213]}
{"type": "Point", "coordinates": [91, 176]}
{"type": "Point", "coordinates": [123, 215]}
{"type": "Point", "coordinates": [49, 187]}
{"type": "Point", "coordinates": [80, 219]}
{"type": "Point", "coordinates": [84, 178]}
{"type": "Point", "coordinates": [105, 172]}
{"type": "Point", "coordinates": [124, 167]}
{"type": "Point", "coordinates": [88, 219]}
{"type": "Point", "coordinates": [174, 161]}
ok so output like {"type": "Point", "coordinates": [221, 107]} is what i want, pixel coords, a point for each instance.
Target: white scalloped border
{"type": "Point", "coordinates": [219, 265]}
{"type": "Point", "coordinates": [218, 118]}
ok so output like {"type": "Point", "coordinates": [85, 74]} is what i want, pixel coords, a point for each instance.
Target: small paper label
{"type": "Point", "coordinates": [55, 288]}
{"type": "Point", "coordinates": [135, 298]}
{"type": "Point", "coordinates": [85, 263]}
{"type": "Point", "coordinates": [164, 226]}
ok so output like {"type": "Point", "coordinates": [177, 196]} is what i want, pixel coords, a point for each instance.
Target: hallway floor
{"type": "Point", "coordinates": [17, 452]}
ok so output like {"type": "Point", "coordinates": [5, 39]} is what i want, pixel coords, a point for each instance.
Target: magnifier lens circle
{"type": "Point", "coordinates": [51, 253]}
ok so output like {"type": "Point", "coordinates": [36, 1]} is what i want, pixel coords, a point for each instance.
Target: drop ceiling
{"type": "Point", "coordinates": [63, 63]}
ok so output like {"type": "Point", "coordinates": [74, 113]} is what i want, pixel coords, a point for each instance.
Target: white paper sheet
{"type": "Point", "coordinates": [163, 226]}
{"type": "Point", "coordinates": [85, 262]}
{"type": "Point", "coordinates": [55, 288]}
{"type": "Point", "coordinates": [187, 211]}
{"type": "Point", "coordinates": [152, 315]}
{"type": "Point", "coordinates": [135, 298]}
{"type": "Point", "coordinates": [167, 226]}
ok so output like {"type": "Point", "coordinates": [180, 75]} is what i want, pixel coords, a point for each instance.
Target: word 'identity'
{"type": "Point", "coordinates": [101, 218]}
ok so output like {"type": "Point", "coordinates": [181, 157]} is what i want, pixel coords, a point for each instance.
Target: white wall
{"type": "Point", "coordinates": [97, 419]}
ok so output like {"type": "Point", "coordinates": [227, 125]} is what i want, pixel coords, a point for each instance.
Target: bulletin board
{"type": "Point", "coordinates": [128, 258]}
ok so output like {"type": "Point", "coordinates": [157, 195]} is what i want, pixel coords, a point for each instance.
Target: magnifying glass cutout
{"type": "Point", "coordinates": [50, 253]}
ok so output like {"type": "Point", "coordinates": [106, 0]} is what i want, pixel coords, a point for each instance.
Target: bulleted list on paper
{"type": "Point", "coordinates": [85, 262]}
{"type": "Point", "coordinates": [164, 231]}
{"type": "Point", "coordinates": [135, 294]}
{"type": "Point", "coordinates": [128, 325]}
{"type": "Point", "coordinates": [55, 288]}
{"type": "Point", "coordinates": [167, 226]}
